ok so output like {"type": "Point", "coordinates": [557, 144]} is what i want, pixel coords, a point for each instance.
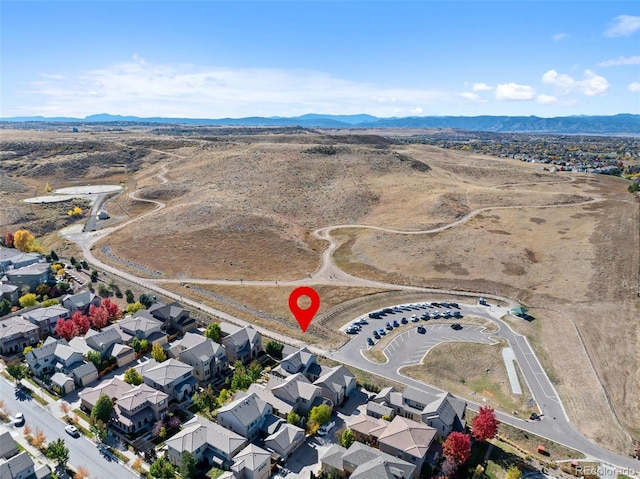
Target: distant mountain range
{"type": "Point", "coordinates": [616, 124]}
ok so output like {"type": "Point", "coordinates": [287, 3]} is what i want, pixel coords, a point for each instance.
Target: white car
{"type": "Point", "coordinates": [19, 419]}
{"type": "Point", "coordinates": [326, 429]}
{"type": "Point", "coordinates": [72, 430]}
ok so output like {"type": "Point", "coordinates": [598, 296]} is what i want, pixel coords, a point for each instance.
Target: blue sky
{"type": "Point", "coordinates": [214, 59]}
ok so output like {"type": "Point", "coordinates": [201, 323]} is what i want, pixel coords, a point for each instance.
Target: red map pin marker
{"type": "Point", "coordinates": [304, 316]}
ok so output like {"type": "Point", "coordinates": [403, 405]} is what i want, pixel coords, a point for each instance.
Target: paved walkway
{"type": "Point", "coordinates": [509, 358]}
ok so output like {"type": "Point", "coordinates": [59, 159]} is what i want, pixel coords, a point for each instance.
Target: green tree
{"type": "Point", "coordinates": [162, 469]}
{"type": "Point", "coordinates": [129, 296]}
{"type": "Point", "coordinates": [5, 307]}
{"type": "Point", "coordinates": [223, 397]}
{"type": "Point", "coordinates": [206, 400]}
{"type": "Point", "coordinates": [17, 370]}
{"type": "Point", "coordinates": [513, 472]}
{"type": "Point", "coordinates": [43, 289]}
{"type": "Point", "coordinates": [146, 300]}
{"type": "Point", "coordinates": [28, 300]}
{"type": "Point", "coordinates": [94, 276]}
{"type": "Point", "coordinates": [133, 377]}
{"type": "Point", "coordinates": [158, 353]}
{"type": "Point", "coordinates": [95, 358]}
{"type": "Point", "coordinates": [347, 438]}
{"type": "Point", "coordinates": [99, 428]}
{"type": "Point", "coordinates": [58, 452]}
{"type": "Point", "coordinates": [102, 409]}
{"type": "Point", "coordinates": [320, 414]}
{"type": "Point", "coordinates": [274, 349]}
{"type": "Point", "coordinates": [293, 418]}
{"type": "Point", "coordinates": [255, 371]}
{"type": "Point", "coordinates": [54, 256]}
{"type": "Point", "coordinates": [132, 308]}
{"type": "Point", "coordinates": [213, 332]}
{"type": "Point", "coordinates": [240, 380]}
{"type": "Point", "coordinates": [189, 466]}
{"type": "Point", "coordinates": [49, 302]}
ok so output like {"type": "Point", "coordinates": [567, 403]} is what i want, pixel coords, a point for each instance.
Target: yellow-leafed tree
{"type": "Point", "coordinates": [47, 188]}
{"type": "Point", "coordinates": [23, 240]}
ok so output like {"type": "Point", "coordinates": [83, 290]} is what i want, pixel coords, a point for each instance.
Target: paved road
{"type": "Point", "coordinates": [82, 452]}
{"type": "Point", "coordinates": [409, 347]}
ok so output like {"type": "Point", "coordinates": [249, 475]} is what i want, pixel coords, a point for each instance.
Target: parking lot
{"type": "Point", "coordinates": [407, 345]}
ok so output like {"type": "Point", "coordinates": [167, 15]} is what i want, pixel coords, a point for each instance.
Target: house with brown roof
{"type": "Point", "coordinates": [135, 407]}
{"type": "Point", "coordinates": [366, 429]}
{"type": "Point", "coordinates": [408, 440]}
{"type": "Point", "coordinates": [364, 462]}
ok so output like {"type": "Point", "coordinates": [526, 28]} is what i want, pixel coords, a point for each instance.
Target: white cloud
{"type": "Point", "coordinates": [481, 87]}
{"type": "Point", "coordinates": [473, 97]}
{"type": "Point", "coordinates": [622, 26]}
{"type": "Point", "coordinates": [634, 87]}
{"type": "Point", "coordinates": [143, 88]}
{"type": "Point", "coordinates": [559, 36]}
{"type": "Point", "coordinates": [513, 91]}
{"type": "Point", "coordinates": [635, 60]}
{"type": "Point", "coordinates": [546, 99]}
{"type": "Point", "coordinates": [592, 84]}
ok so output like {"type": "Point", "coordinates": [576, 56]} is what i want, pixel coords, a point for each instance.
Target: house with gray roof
{"type": "Point", "coordinates": [143, 326]}
{"type": "Point", "coordinates": [172, 377]}
{"type": "Point", "coordinates": [84, 374]}
{"type": "Point", "coordinates": [8, 445]}
{"type": "Point", "coordinates": [207, 441]}
{"type": "Point", "coordinates": [124, 354]}
{"type": "Point", "coordinates": [62, 384]}
{"type": "Point", "coordinates": [280, 408]}
{"type": "Point", "coordinates": [297, 391]}
{"type": "Point", "coordinates": [336, 383]}
{"type": "Point", "coordinates": [244, 345]}
{"type": "Point", "coordinates": [80, 301]}
{"type": "Point", "coordinates": [173, 316]}
{"type": "Point", "coordinates": [244, 415]}
{"type": "Point", "coordinates": [42, 360]}
{"type": "Point", "coordinates": [30, 276]}
{"type": "Point", "coordinates": [102, 341]}
{"type": "Point", "coordinates": [285, 440]}
{"type": "Point", "coordinates": [114, 388]}
{"type": "Point", "coordinates": [364, 462]}
{"type": "Point", "coordinates": [252, 462]}
{"type": "Point", "coordinates": [298, 361]}
{"type": "Point", "coordinates": [46, 318]}
{"type": "Point", "coordinates": [208, 358]}
{"type": "Point", "coordinates": [12, 258]}
{"type": "Point", "coordinates": [10, 293]}
{"type": "Point", "coordinates": [56, 356]}
{"type": "Point", "coordinates": [16, 333]}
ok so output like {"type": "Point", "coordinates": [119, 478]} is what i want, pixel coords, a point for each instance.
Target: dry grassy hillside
{"type": "Point", "coordinates": [242, 203]}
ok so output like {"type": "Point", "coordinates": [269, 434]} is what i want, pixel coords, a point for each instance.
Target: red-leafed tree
{"type": "Point", "coordinates": [8, 240]}
{"type": "Point", "coordinates": [485, 425]}
{"type": "Point", "coordinates": [81, 322]}
{"type": "Point", "coordinates": [66, 328]}
{"type": "Point", "coordinates": [113, 310]}
{"type": "Point", "coordinates": [98, 317]}
{"type": "Point", "coordinates": [457, 448]}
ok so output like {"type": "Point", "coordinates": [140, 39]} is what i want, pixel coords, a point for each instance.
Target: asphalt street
{"type": "Point", "coordinates": [82, 452]}
{"type": "Point", "coordinates": [409, 347]}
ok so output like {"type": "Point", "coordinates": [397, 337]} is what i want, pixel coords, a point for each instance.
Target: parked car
{"type": "Point", "coordinates": [446, 314]}
{"type": "Point", "coordinates": [456, 326]}
{"type": "Point", "coordinates": [456, 314]}
{"type": "Point", "coordinates": [370, 342]}
{"type": "Point", "coordinates": [351, 330]}
{"type": "Point", "coordinates": [421, 329]}
{"type": "Point", "coordinates": [388, 326]}
{"type": "Point", "coordinates": [415, 320]}
{"type": "Point", "coordinates": [396, 324]}
{"type": "Point", "coordinates": [435, 314]}
{"type": "Point", "coordinates": [376, 334]}
{"type": "Point", "coordinates": [72, 430]}
{"type": "Point", "coordinates": [19, 419]}
{"type": "Point", "coordinates": [535, 417]}
{"type": "Point", "coordinates": [453, 305]}
{"type": "Point", "coordinates": [405, 320]}
{"type": "Point", "coordinates": [381, 332]}
{"type": "Point", "coordinates": [326, 429]}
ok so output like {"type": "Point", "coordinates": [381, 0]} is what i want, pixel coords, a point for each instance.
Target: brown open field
{"type": "Point", "coordinates": [242, 204]}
